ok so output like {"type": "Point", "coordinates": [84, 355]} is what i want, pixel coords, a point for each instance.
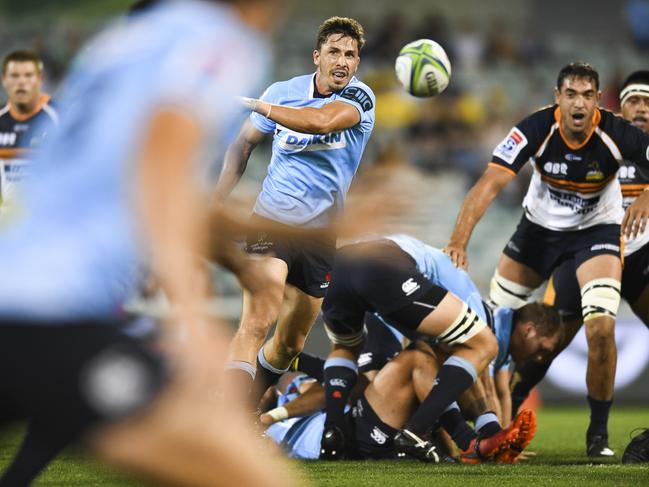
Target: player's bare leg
{"type": "Point", "coordinates": [473, 347]}
{"type": "Point", "coordinates": [296, 318]}
{"type": "Point", "coordinates": [599, 278]}
{"type": "Point", "coordinates": [261, 308]}
{"type": "Point", "coordinates": [186, 439]}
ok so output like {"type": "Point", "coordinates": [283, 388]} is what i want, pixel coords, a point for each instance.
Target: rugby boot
{"type": "Point", "coordinates": [412, 445]}
{"type": "Point", "coordinates": [525, 423]}
{"type": "Point", "coordinates": [332, 445]}
{"type": "Point", "coordinates": [484, 448]}
{"type": "Point", "coordinates": [597, 447]}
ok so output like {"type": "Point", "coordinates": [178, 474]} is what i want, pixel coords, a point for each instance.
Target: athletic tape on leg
{"type": "Point", "coordinates": [504, 292]}
{"type": "Point", "coordinates": [600, 297]}
{"type": "Point", "coordinates": [351, 340]}
{"type": "Point", "coordinates": [267, 365]}
{"type": "Point", "coordinates": [466, 325]}
{"type": "Point", "coordinates": [241, 365]}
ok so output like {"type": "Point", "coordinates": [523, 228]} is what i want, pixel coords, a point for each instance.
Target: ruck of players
{"type": "Point", "coordinates": [120, 199]}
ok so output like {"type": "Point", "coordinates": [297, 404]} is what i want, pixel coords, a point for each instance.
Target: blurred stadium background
{"type": "Point", "coordinates": [505, 57]}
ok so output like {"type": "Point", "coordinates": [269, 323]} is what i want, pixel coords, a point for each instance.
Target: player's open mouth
{"type": "Point", "coordinates": [339, 75]}
{"type": "Point", "coordinates": [578, 119]}
{"type": "Point", "coordinates": [640, 120]}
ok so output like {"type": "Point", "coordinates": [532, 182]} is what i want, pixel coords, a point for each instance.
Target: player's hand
{"type": "Point", "coordinates": [249, 103]}
{"type": "Point", "coordinates": [525, 455]}
{"type": "Point", "coordinates": [635, 217]}
{"type": "Point", "coordinates": [458, 256]}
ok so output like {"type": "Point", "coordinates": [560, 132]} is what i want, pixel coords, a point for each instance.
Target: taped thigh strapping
{"type": "Point", "coordinates": [600, 297]}
{"type": "Point", "coordinates": [466, 325]}
{"type": "Point", "coordinates": [509, 294]}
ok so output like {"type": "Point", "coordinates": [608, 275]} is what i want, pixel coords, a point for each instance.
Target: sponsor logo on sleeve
{"type": "Point", "coordinates": [359, 95]}
{"type": "Point", "coordinates": [511, 146]}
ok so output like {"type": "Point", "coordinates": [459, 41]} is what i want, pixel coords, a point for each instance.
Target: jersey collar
{"type": "Point", "coordinates": [22, 117]}
{"type": "Point", "coordinates": [597, 116]}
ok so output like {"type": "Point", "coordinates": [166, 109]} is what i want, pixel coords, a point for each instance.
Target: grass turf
{"type": "Point", "coordinates": [560, 461]}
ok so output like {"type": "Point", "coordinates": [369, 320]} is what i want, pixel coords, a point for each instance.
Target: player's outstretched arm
{"type": "Point", "coordinates": [236, 160]}
{"type": "Point", "coordinates": [328, 118]}
{"type": "Point", "coordinates": [636, 216]}
{"type": "Point", "coordinates": [476, 202]}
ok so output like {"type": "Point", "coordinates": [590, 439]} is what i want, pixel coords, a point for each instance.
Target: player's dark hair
{"type": "Point", "coordinates": [141, 6]}
{"type": "Point", "coordinates": [545, 317]}
{"type": "Point", "coordinates": [22, 57]}
{"type": "Point", "coordinates": [341, 25]}
{"type": "Point", "coordinates": [578, 69]}
{"type": "Point", "coordinates": [637, 78]}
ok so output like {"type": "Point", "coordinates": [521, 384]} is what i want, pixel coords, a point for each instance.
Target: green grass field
{"type": "Point", "coordinates": [559, 446]}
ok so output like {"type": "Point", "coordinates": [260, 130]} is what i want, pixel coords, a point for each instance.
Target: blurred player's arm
{"type": "Point", "coordinates": [636, 215]}
{"type": "Point", "coordinates": [171, 210]}
{"type": "Point", "coordinates": [328, 118]}
{"type": "Point", "coordinates": [236, 160]}
{"type": "Point", "coordinates": [476, 202]}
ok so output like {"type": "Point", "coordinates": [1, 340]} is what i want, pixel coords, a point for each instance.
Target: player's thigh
{"type": "Point", "coordinates": [518, 272]}
{"type": "Point", "coordinates": [297, 316]}
{"type": "Point", "coordinates": [599, 266]}
{"type": "Point", "coordinates": [265, 305]}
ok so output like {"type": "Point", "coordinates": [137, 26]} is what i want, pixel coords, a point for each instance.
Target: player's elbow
{"type": "Point", "coordinates": [322, 124]}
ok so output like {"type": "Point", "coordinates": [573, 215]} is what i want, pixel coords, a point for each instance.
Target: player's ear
{"type": "Point", "coordinates": [557, 93]}
{"type": "Point", "coordinates": [316, 57]}
{"type": "Point", "coordinates": [599, 96]}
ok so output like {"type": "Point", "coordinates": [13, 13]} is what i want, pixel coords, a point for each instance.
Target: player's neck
{"type": "Point", "coordinates": [577, 137]}
{"type": "Point", "coordinates": [322, 88]}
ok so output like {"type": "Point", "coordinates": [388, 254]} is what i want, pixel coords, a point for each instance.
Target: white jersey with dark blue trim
{"type": "Point", "coordinates": [573, 186]}
{"type": "Point", "coordinates": [74, 252]}
{"type": "Point", "coordinates": [309, 175]}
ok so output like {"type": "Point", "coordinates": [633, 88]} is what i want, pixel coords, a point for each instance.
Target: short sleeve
{"type": "Point", "coordinates": [521, 143]}
{"type": "Point", "coordinates": [263, 124]}
{"type": "Point", "coordinates": [362, 98]}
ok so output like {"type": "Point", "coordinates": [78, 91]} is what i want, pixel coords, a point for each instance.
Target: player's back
{"type": "Point", "coordinates": [74, 250]}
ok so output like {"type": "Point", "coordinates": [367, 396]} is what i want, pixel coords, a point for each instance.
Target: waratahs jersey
{"type": "Point", "coordinates": [573, 186]}
{"type": "Point", "coordinates": [634, 179]}
{"type": "Point", "coordinates": [309, 175]}
{"type": "Point", "coordinates": [73, 251]}
{"type": "Point", "coordinates": [438, 268]}
{"type": "Point", "coordinates": [503, 325]}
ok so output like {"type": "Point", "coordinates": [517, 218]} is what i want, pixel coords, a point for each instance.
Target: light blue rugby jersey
{"type": "Point", "coordinates": [309, 175]}
{"type": "Point", "coordinates": [438, 268]}
{"type": "Point", "coordinates": [503, 325]}
{"type": "Point", "coordinates": [73, 249]}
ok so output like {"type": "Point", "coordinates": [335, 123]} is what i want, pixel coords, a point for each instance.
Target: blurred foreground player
{"type": "Point", "coordinates": [564, 292]}
{"type": "Point", "coordinates": [118, 187]}
{"type": "Point", "coordinates": [573, 210]}
{"type": "Point", "coordinates": [320, 123]}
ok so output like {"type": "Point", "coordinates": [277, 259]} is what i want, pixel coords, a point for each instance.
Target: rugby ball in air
{"type": "Point", "coordinates": [423, 68]}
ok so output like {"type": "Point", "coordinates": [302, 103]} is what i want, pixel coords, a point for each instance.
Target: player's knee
{"type": "Point", "coordinates": [290, 347]}
{"type": "Point", "coordinates": [510, 294]}
{"type": "Point", "coordinates": [600, 298]}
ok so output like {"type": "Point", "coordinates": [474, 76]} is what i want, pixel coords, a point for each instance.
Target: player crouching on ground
{"type": "Point", "coordinates": [408, 284]}
{"type": "Point", "coordinates": [381, 410]}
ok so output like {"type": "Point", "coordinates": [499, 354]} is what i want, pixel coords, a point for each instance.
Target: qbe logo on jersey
{"type": "Point", "coordinates": [511, 146]}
